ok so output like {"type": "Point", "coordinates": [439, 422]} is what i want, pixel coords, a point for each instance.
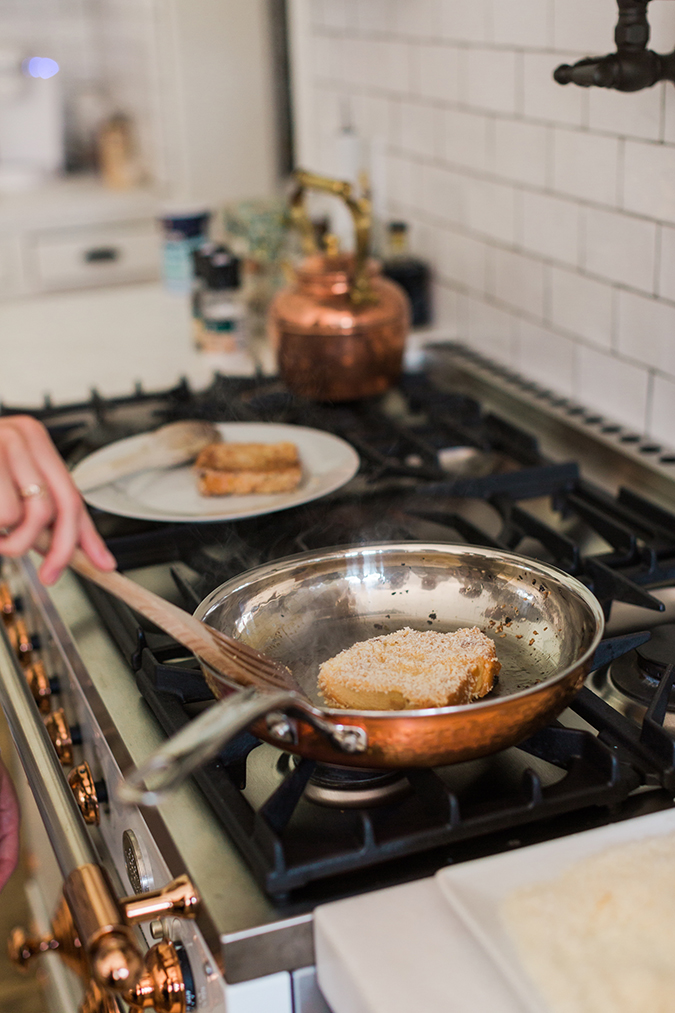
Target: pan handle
{"type": "Point", "coordinates": [202, 739]}
{"type": "Point", "coordinates": [196, 744]}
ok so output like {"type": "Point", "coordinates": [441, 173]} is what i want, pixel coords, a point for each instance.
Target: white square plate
{"type": "Point", "coordinates": [476, 890]}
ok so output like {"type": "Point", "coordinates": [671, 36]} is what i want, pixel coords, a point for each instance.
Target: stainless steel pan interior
{"type": "Point", "coordinates": [306, 608]}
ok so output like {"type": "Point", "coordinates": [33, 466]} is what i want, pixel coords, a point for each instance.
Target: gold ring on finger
{"type": "Point", "coordinates": [31, 490]}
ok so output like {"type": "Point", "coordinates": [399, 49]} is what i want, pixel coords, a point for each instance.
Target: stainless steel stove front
{"type": "Point", "coordinates": [239, 952]}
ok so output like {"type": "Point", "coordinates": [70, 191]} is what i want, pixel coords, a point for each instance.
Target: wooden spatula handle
{"type": "Point", "coordinates": [190, 632]}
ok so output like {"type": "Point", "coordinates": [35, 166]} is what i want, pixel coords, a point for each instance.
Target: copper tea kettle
{"type": "Point", "coordinates": [340, 327]}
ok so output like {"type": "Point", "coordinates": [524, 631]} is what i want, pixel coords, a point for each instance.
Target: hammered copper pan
{"type": "Point", "coordinates": [306, 608]}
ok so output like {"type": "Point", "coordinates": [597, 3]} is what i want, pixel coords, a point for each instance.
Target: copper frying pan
{"type": "Point", "coordinates": [306, 608]}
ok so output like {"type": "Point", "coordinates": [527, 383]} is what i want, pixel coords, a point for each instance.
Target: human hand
{"type": "Point", "coordinates": [38, 494]}
{"type": "Point", "coordinates": [9, 826]}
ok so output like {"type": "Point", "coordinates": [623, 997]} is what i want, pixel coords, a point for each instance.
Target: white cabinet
{"type": "Point", "coordinates": [98, 255]}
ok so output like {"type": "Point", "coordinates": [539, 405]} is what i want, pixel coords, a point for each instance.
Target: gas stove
{"type": "Point", "coordinates": [461, 451]}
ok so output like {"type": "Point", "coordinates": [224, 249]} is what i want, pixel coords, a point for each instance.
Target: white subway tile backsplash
{"type": "Point", "coordinates": [669, 113]}
{"type": "Point", "coordinates": [532, 201]}
{"type": "Point", "coordinates": [581, 306]}
{"type": "Point", "coordinates": [610, 385]}
{"type": "Point", "coordinates": [444, 194]}
{"type": "Point", "coordinates": [666, 282]}
{"type": "Point", "coordinates": [521, 151]}
{"type": "Point", "coordinates": [547, 357]}
{"type": "Point", "coordinates": [464, 138]}
{"type": "Point", "coordinates": [585, 165]}
{"type": "Point", "coordinates": [461, 260]}
{"type": "Point", "coordinates": [630, 114]}
{"type": "Point", "coordinates": [662, 25]}
{"type": "Point", "coordinates": [544, 99]}
{"type": "Point", "coordinates": [370, 115]}
{"type": "Point", "coordinates": [445, 308]}
{"type": "Point", "coordinates": [486, 328]}
{"type": "Point", "coordinates": [647, 331]}
{"type": "Point", "coordinates": [465, 22]}
{"type": "Point", "coordinates": [491, 209]}
{"type": "Point", "coordinates": [415, 18]}
{"type": "Point", "coordinates": [437, 72]}
{"type": "Point", "coordinates": [420, 134]}
{"type": "Point", "coordinates": [550, 227]}
{"type": "Point", "coordinates": [649, 180]}
{"type": "Point", "coordinates": [488, 79]}
{"type": "Point", "coordinates": [322, 57]}
{"type": "Point", "coordinates": [620, 248]}
{"type": "Point", "coordinates": [662, 421]}
{"type": "Point", "coordinates": [517, 281]}
{"type": "Point", "coordinates": [400, 179]}
{"type": "Point", "coordinates": [388, 65]}
{"type": "Point", "coordinates": [336, 14]}
{"type": "Point", "coordinates": [372, 16]}
{"type": "Point", "coordinates": [528, 23]}
{"type": "Point", "coordinates": [584, 28]}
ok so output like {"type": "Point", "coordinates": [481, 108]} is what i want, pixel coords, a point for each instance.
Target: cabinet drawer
{"type": "Point", "coordinates": [70, 258]}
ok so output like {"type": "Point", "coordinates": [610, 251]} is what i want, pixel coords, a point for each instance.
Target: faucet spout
{"type": "Point", "coordinates": [632, 67]}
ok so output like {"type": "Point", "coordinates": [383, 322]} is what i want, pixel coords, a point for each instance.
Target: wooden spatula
{"type": "Point", "coordinates": [170, 445]}
{"type": "Point", "coordinates": [229, 657]}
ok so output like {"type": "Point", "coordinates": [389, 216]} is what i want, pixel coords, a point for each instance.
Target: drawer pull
{"type": "Point", "coordinates": [102, 255]}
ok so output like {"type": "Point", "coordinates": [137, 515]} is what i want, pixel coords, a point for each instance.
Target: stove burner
{"type": "Point", "coordinates": [638, 674]}
{"type": "Point", "coordinates": [655, 656]}
{"type": "Point", "coordinates": [352, 788]}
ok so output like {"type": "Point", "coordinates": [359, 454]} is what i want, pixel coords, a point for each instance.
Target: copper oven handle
{"type": "Point", "coordinates": [111, 947]}
{"type": "Point", "coordinates": [360, 290]}
{"type": "Point", "coordinates": [204, 737]}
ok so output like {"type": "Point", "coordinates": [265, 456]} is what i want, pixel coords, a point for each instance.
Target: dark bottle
{"type": "Point", "coordinates": [412, 275]}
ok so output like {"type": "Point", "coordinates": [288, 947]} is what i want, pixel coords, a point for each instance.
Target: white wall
{"type": "Point", "coordinates": [216, 98]}
{"type": "Point", "coordinates": [547, 212]}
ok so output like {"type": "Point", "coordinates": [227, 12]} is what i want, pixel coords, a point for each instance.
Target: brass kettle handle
{"type": "Point", "coordinates": [360, 290]}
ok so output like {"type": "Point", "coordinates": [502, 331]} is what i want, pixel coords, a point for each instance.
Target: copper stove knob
{"type": "Point", "coordinates": [163, 986]}
{"type": "Point", "coordinates": [97, 1000]}
{"type": "Point", "coordinates": [40, 685]}
{"type": "Point", "coordinates": [19, 638]}
{"type": "Point", "coordinates": [62, 735]}
{"type": "Point", "coordinates": [7, 606]}
{"type": "Point", "coordinates": [22, 948]}
{"type": "Point", "coordinates": [88, 793]}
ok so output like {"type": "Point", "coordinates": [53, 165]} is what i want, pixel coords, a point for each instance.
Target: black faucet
{"type": "Point", "coordinates": [633, 66]}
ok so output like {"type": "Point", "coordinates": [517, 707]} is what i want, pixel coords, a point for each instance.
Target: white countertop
{"type": "Point", "coordinates": [65, 344]}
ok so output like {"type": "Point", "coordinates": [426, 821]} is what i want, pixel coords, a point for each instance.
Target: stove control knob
{"type": "Point", "coordinates": [62, 735]}
{"type": "Point", "coordinates": [22, 643]}
{"type": "Point", "coordinates": [22, 948]}
{"type": "Point", "coordinates": [88, 793]}
{"type": "Point", "coordinates": [7, 606]}
{"type": "Point", "coordinates": [41, 686]}
{"type": "Point", "coordinates": [167, 984]}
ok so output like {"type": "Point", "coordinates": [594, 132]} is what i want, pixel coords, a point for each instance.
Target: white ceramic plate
{"type": "Point", "coordinates": [476, 890]}
{"type": "Point", "coordinates": [170, 494]}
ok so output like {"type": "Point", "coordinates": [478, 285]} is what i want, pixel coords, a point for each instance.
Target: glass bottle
{"type": "Point", "coordinates": [412, 275]}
